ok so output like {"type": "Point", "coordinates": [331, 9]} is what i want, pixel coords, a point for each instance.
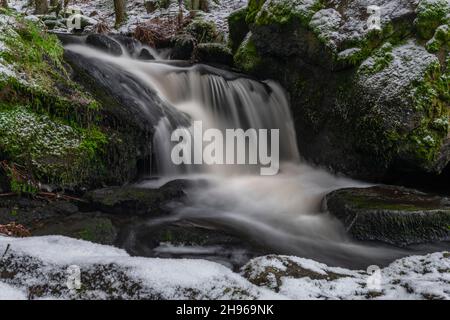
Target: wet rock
{"type": "Point", "coordinates": [27, 211]}
{"type": "Point", "coordinates": [130, 44]}
{"type": "Point", "coordinates": [145, 54]}
{"type": "Point", "coordinates": [93, 227]}
{"type": "Point", "coordinates": [188, 239]}
{"type": "Point", "coordinates": [391, 214]}
{"type": "Point", "coordinates": [183, 46]}
{"type": "Point", "coordinates": [214, 53]}
{"type": "Point", "coordinates": [136, 201]}
{"type": "Point", "coordinates": [104, 43]}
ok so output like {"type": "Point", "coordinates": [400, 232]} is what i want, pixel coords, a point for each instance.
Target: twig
{"type": "Point", "coordinates": [6, 251]}
{"type": "Point", "coordinates": [9, 194]}
{"type": "Point", "coordinates": [56, 195]}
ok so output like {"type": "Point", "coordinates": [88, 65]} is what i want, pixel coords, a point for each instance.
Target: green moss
{"type": "Point", "coordinates": [440, 40]}
{"type": "Point", "coordinates": [288, 12]}
{"type": "Point", "coordinates": [247, 57]}
{"type": "Point", "coordinates": [364, 202]}
{"type": "Point", "coordinates": [432, 98]}
{"type": "Point", "coordinates": [379, 60]}
{"type": "Point", "coordinates": [238, 28]}
{"type": "Point", "coordinates": [253, 8]}
{"type": "Point", "coordinates": [430, 15]}
{"type": "Point", "coordinates": [204, 31]}
{"type": "Point", "coordinates": [50, 150]}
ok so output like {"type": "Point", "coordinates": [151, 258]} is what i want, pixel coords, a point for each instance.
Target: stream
{"type": "Point", "coordinates": [280, 214]}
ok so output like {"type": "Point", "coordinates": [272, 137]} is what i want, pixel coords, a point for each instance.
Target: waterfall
{"type": "Point", "coordinates": [283, 212]}
{"type": "Point", "coordinates": [219, 99]}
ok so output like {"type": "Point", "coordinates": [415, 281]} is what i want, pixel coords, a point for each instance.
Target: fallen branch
{"type": "Point", "coordinates": [59, 196]}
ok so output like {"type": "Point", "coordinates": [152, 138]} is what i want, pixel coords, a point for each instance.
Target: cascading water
{"type": "Point", "coordinates": [281, 213]}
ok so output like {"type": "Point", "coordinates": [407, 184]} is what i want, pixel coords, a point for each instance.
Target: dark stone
{"type": "Point", "coordinates": [28, 211]}
{"type": "Point", "coordinates": [188, 239]}
{"type": "Point", "coordinates": [215, 53]}
{"type": "Point", "coordinates": [365, 103]}
{"type": "Point", "coordinates": [391, 214]}
{"type": "Point", "coordinates": [137, 201]}
{"type": "Point", "coordinates": [145, 54]}
{"type": "Point", "coordinates": [93, 227]}
{"type": "Point", "coordinates": [4, 182]}
{"type": "Point", "coordinates": [104, 43]}
{"type": "Point", "coordinates": [183, 46]}
{"type": "Point", "coordinates": [130, 44]}
{"type": "Point", "coordinates": [238, 27]}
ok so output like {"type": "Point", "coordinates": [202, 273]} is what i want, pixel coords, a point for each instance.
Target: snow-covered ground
{"type": "Point", "coordinates": [103, 11]}
{"type": "Point", "coordinates": [43, 267]}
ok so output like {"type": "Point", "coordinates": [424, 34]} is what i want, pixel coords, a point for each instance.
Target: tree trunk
{"type": "Point", "coordinates": [41, 6]}
{"type": "Point", "coordinates": [54, 3]}
{"type": "Point", "coordinates": [120, 10]}
{"type": "Point", "coordinates": [4, 4]}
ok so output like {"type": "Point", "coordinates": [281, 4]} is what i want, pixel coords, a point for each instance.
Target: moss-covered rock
{"type": "Point", "coordinates": [440, 40]}
{"type": "Point", "coordinates": [50, 149]}
{"type": "Point", "coordinates": [214, 53]}
{"type": "Point", "coordinates": [51, 128]}
{"type": "Point", "coordinates": [365, 102]}
{"type": "Point", "coordinates": [247, 57]}
{"type": "Point", "coordinates": [430, 15]}
{"type": "Point", "coordinates": [83, 226]}
{"type": "Point", "coordinates": [391, 214]}
{"type": "Point", "coordinates": [204, 31]}
{"type": "Point", "coordinates": [238, 27]}
{"type": "Point", "coordinates": [136, 201]}
{"type": "Point", "coordinates": [183, 46]}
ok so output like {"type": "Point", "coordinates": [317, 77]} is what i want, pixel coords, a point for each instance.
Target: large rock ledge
{"type": "Point", "coordinates": [366, 103]}
{"type": "Point", "coordinates": [38, 268]}
{"type": "Point", "coordinates": [390, 214]}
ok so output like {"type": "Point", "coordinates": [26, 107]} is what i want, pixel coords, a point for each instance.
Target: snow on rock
{"type": "Point", "coordinates": [416, 277]}
{"type": "Point", "coordinates": [40, 268]}
{"type": "Point", "coordinates": [408, 64]}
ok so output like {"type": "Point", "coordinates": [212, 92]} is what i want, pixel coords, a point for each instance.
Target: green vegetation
{"type": "Point", "coordinates": [247, 57]}
{"type": "Point", "coordinates": [440, 40]}
{"type": "Point", "coordinates": [287, 12]}
{"type": "Point", "coordinates": [204, 31]}
{"type": "Point", "coordinates": [430, 15]}
{"type": "Point", "coordinates": [48, 126]}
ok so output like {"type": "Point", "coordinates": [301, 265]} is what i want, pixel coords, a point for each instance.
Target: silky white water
{"type": "Point", "coordinates": [281, 212]}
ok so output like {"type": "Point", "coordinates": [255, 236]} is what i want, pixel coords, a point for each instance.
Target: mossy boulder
{"type": "Point", "coordinates": [440, 40]}
{"type": "Point", "coordinates": [215, 53]}
{"type": "Point", "coordinates": [238, 27]}
{"type": "Point", "coordinates": [52, 129]}
{"type": "Point", "coordinates": [135, 200]}
{"type": "Point", "coordinates": [390, 214]}
{"type": "Point", "coordinates": [89, 227]}
{"type": "Point", "coordinates": [183, 46]}
{"type": "Point", "coordinates": [366, 102]}
{"type": "Point", "coordinates": [204, 31]}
